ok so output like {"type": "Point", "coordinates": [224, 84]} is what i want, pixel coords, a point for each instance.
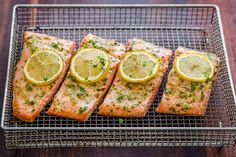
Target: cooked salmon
{"type": "Point", "coordinates": [77, 100]}
{"type": "Point", "coordinates": [185, 97]}
{"type": "Point", "coordinates": [126, 99]}
{"type": "Point", "coordinates": [29, 99]}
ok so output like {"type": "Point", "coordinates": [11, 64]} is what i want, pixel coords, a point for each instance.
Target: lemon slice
{"type": "Point", "coordinates": [90, 65]}
{"type": "Point", "coordinates": [138, 66]}
{"type": "Point", "coordinates": [194, 67]}
{"type": "Point", "coordinates": [43, 67]}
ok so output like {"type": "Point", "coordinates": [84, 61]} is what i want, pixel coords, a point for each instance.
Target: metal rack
{"type": "Point", "coordinates": [193, 26]}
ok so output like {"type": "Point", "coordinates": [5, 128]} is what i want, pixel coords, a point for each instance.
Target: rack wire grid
{"type": "Point", "coordinates": [193, 26]}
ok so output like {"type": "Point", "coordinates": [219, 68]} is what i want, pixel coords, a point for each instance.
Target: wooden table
{"type": "Point", "coordinates": [229, 25]}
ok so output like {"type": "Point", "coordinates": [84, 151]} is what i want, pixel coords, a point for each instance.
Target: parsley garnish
{"type": "Point", "coordinates": [34, 49]}
{"type": "Point", "coordinates": [54, 45]}
{"type": "Point", "coordinates": [102, 60]}
{"type": "Point", "coordinates": [82, 89]}
{"type": "Point", "coordinates": [121, 121]}
{"type": "Point", "coordinates": [28, 88]}
{"type": "Point", "coordinates": [202, 95]}
{"type": "Point", "coordinates": [168, 91]}
{"type": "Point", "coordinates": [95, 65]}
{"type": "Point", "coordinates": [45, 78]}
{"type": "Point", "coordinates": [193, 86]}
{"type": "Point", "coordinates": [120, 98]}
{"type": "Point", "coordinates": [93, 43]}
{"type": "Point", "coordinates": [207, 75]}
{"type": "Point", "coordinates": [85, 46]}
{"type": "Point", "coordinates": [30, 102]}
{"type": "Point", "coordinates": [72, 78]}
{"type": "Point", "coordinates": [82, 109]}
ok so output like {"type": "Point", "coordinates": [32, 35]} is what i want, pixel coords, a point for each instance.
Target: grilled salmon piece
{"type": "Point", "coordinates": [126, 99]}
{"type": "Point", "coordinates": [28, 99]}
{"type": "Point", "coordinates": [77, 100]}
{"type": "Point", "coordinates": [184, 97]}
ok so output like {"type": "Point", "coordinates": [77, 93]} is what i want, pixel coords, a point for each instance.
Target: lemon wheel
{"type": "Point", "coordinates": [138, 66]}
{"type": "Point", "coordinates": [43, 67]}
{"type": "Point", "coordinates": [90, 65]}
{"type": "Point", "coordinates": [194, 67]}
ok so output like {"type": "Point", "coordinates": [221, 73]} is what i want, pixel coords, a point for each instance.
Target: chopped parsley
{"type": "Point", "coordinates": [120, 98]}
{"type": "Point", "coordinates": [193, 86]}
{"type": "Point", "coordinates": [54, 45]}
{"type": "Point", "coordinates": [82, 89]}
{"type": "Point", "coordinates": [28, 88]}
{"type": "Point", "coordinates": [207, 75]}
{"type": "Point", "coordinates": [95, 45]}
{"type": "Point", "coordinates": [168, 91]}
{"type": "Point", "coordinates": [82, 109]}
{"type": "Point", "coordinates": [45, 78]}
{"type": "Point", "coordinates": [72, 78]}
{"type": "Point", "coordinates": [202, 95]}
{"type": "Point", "coordinates": [102, 60]}
{"type": "Point", "coordinates": [30, 102]}
{"type": "Point", "coordinates": [121, 121]}
{"type": "Point", "coordinates": [34, 49]}
{"type": "Point", "coordinates": [85, 46]}
{"type": "Point", "coordinates": [95, 65]}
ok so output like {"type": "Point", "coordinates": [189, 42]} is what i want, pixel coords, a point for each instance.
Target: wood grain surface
{"type": "Point", "coordinates": [227, 8]}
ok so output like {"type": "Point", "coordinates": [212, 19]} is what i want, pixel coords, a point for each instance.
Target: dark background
{"type": "Point", "coordinates": [227, 8]}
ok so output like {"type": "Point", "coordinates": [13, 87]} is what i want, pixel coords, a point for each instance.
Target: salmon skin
{"type": "Point", "coordinates": [28, 99]}
{"type": "Point", "coordinates": [126, 99]}
{"type": "Point", "coordinates": [77, 100]}
{"type": "Point", "coordinates": [183, 97]}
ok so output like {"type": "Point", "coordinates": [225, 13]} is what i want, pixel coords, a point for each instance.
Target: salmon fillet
{"type": "Point", "coordinates": [126, 99]}
{"type": "Point", "coordinates": [28, 99]}
{"type": "Point", "coordinates": [77, 100]}
{"type": "Point", "coordinates": [184, 97]}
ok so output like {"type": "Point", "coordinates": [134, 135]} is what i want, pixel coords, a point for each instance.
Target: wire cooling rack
{"type": "Point", "coordinates": [193, 26]}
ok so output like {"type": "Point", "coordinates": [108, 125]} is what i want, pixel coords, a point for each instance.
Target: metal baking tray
{"type": "Point", "coordinates": [194, 26]}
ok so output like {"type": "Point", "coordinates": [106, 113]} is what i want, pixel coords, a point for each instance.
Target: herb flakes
{"type": "Point", "coordinates": [120, 98]}
{"type": "Point", "coordinates": [193, 86]}
{"type": "Point", "coordinates": [82, 89]}
{"type": "Point", "coordinates": [202, 95]}
{"type": "Point", "coordinates": [54, 45]}
{"type": "Point", "coordinates": [28, 87]}
{"type": "Point", "coordinates": [82, 109]}
{"type": "Point", "coordinates": [121, 121]}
